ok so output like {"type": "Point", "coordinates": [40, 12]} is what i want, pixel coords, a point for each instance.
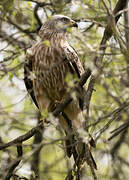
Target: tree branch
{"type": "Point", "coordinates": [15, 163]}
{"type": "Point", "coordinates": [121, 4]}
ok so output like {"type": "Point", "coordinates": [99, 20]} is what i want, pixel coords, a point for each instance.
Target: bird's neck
{"type": "Point", "coordinates": [55, 39]}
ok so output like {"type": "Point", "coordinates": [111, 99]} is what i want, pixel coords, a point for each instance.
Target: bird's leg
{"type": "Point", "coordinates": [44, 115]}
{"type": "Point", "coordinates": [45, 112]}
{"type": "Point", "coordinates": [42, 120]}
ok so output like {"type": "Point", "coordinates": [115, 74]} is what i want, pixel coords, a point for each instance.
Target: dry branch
{"type": "Point", "coordinates": [15, 163]}
{"type": "Point", "coordinates": [114, 17]}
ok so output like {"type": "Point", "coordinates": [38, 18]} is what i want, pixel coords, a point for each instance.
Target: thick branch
{"type": "Point", "coordinates": [38, 138]}
{"type": "Point", "coordinates": [12, 40]}
{"type": "Point", "coordinates": [15, 163]}
{"type": "Point", "coordinates": [22, 138]}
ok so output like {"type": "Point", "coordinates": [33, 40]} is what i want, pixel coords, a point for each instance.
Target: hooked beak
{"type": "Point", "coordinates": [73, 24]}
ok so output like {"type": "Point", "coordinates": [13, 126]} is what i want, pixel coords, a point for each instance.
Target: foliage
{"type": "Point", "coordinates": [108, 58]}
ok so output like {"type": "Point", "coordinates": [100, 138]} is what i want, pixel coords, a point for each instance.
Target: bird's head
{"type": "Point", "coordinates": [58, 24]}
{"type": "Point", "coordinates": [61, 22]}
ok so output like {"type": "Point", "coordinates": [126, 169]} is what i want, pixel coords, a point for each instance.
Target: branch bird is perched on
{"type": "Point", "coordinates": [46, 68]}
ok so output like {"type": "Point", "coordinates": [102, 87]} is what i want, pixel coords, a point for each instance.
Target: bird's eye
{"type": "Point", "coordinates": [64, 19]}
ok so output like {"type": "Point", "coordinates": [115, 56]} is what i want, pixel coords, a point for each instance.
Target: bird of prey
{"type": "Point", "coordinates": [48, 62]}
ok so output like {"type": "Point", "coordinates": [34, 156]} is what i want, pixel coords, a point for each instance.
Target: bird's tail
{"type": "Point", "coordinates": [72, 122]}
{"type": "Point", "coordinates": [81, 151]}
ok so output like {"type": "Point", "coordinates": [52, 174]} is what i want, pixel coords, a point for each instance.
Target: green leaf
{"type": "Point", "coordinates": [46, 42]}
{"type": "Point", "coordinates": [68, 29]}
{"type": "Point", "coordinates": [10, 75]}
{"type": "Point", "coordinates": [7, 5]}
{"type": "Point", "coordinates": [29, 4]}
{"type": "Point", "coordinates": [44, 113]}
{"type": "Point", "coordinates": [15, 62]}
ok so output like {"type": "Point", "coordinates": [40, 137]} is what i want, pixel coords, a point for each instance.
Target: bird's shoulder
{"type": "Point", "coordinates": [32, 50]}
{"type": "Point", "coordinates": [74, 59]}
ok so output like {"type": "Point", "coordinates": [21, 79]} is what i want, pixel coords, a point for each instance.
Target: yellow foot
{"type": "Point", "coordinates": [43, 120]}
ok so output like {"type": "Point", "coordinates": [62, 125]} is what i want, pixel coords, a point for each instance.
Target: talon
{"type": "Point", "coordinates": [42, 120]}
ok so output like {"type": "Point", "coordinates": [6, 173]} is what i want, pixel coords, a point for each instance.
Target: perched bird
{"type": "Point", "coordinates": [48, 62]}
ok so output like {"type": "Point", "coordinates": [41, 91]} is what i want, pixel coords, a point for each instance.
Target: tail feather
{"type": "Point", "coordinates": [70, 143]}
{"type": "Point", "coordinates": [68, 148]}
{"type": "Point", "coordinates": [79, 151]}
{"type": "Point", "coordinates": [74, 143]}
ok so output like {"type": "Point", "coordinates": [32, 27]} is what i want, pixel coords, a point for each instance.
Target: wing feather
{"type": "Point", "coordinates": [74, 60]}
{"type": "Point", "coordinates": [27, 77]}
{"type": "Point", "coordinates": [76, 65]}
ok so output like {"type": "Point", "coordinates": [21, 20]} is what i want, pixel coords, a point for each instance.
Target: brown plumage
{"type": "Point", "coordinates": [48, 62]}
